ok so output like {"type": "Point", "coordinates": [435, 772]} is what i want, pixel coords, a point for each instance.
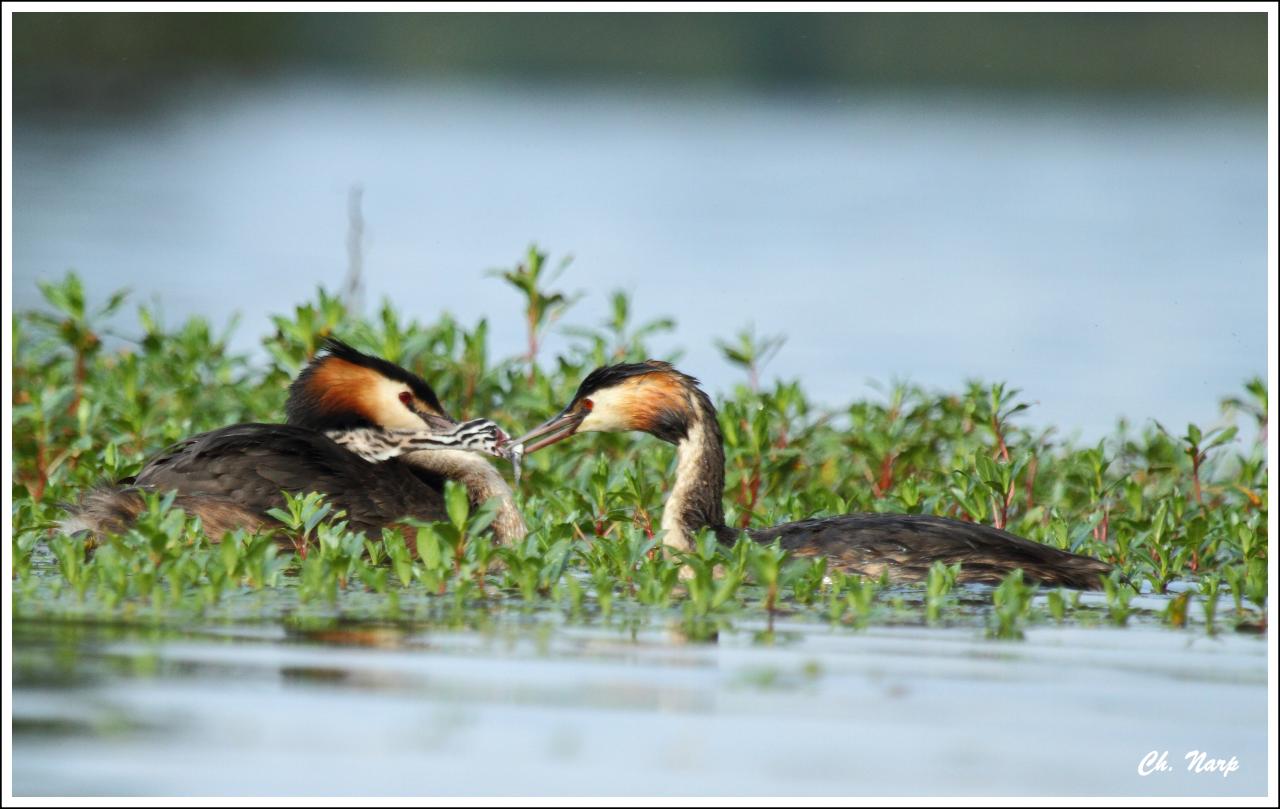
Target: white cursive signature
{"type": "Point", "coordinates": [1197, 762]}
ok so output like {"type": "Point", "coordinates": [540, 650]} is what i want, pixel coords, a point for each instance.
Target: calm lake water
{"type": "Point", "coordinates": [534, 706]}
{"type": "Point", "coordinates": [1107, 257]}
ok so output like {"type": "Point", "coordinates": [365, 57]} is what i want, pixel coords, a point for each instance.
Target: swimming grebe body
{"type": "Point", "coordinates": [655, 398]}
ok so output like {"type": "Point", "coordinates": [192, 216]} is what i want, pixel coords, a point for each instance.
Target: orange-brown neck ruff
{"type": "Point", "coordinates": [344, 389]}
{"type": "Point", "coordinates": [421, 390]}
{"type": "Point", "coordinates": [661, 406]}
{"type": "Point", "coordinates": [649, 396]}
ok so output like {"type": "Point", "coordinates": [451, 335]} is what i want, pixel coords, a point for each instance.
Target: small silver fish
{"type": "Point", "coordinates": [515, 454]}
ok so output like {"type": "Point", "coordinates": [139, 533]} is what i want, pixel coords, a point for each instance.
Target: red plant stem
{"type": "Point", "coordinates": [1100, 530]}
{"type": "Point", "coordinates": [1002, 451]}
{"type": "Point", "coordinates": [885, 481]}
{"type": "Point", "coordinates": [782, 440]}
{"type": "Point", "coordinates": [78, 391]}
{"type": "Point", "coordinates": [532, 320]}
{"type": "Point", "coordinates": [1000, 508]}
{"type": "Point", "coordinates": [753, 494]}
{"type": "Point", "coordinates": [1031, 482]}
{"type": "Point", "coordinates": [646, 522]}
{"type": "Point", "coordinates": [469, 393]}
{"type": "Point", "coordinates": [42, 474]}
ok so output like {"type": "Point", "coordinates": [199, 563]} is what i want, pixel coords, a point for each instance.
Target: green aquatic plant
{"type": "Point", "coordinates": [1119, 594]}
{"type": "Point", "coordinates": [1209, 586]}
{"type": "Point", "coordinates": [89, 408]}
{"type": "Point", "coordinates": [1175, 614]}
{"type": "Point", "coordinates": [938, 586]}
{"type": "Point", "coordinates": [766, 563]}
{"type": "Point", "coordinates": [751, 352]}
{"type": "Point", "coordinates": [542, 306]}
{"type": "Point", "coordinates": [1057, 602]}
{"type": "Point", "coordinates": [1011, 607]}
{"type": "Point", "coordinates": [859, 597]}
{"type": "Point", "coordinates": [807, 579]}
{"type": "Point", "coordinates": [713, 575]}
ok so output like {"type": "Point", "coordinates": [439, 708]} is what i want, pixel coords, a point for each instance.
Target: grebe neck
{"type": "Point", "coordinates": [482, 482]}
{"type": "Point", "coordinates": [696, 499]}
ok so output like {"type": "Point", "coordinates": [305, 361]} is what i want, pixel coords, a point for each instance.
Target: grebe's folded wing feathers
{"type": "Point", "coordinates": [232, 459]}
{"type": "Point", "coordinates": [250, 464]}
{"type": "Point", "coordinates": [908, 545]}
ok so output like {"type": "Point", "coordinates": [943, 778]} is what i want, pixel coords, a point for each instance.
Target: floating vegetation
{"type": "Point", "coordinates": [1182, 517]}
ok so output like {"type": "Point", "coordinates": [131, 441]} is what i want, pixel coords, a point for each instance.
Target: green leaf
{"type": "Point", "coordinates": [456, 504]}
{"type": "Point", "coordinates": [1226, 435]}
{"type": "Point", "coordinates": [315, 517]}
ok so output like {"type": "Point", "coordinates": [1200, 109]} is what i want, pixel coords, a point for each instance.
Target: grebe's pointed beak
{"type": "Point", "coordinates": [552, 430]}
{"type": "Point", "coordinates": [437, 422]}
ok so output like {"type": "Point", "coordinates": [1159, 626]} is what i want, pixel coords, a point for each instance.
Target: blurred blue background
{"type": "Point", "coordinates": [1073, 203]}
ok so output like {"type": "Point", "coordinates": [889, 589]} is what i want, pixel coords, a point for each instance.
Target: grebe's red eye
{"type": "Point", "coordinates": [406, 398]}
{"type": "Point", "coordinates": [587, 404]}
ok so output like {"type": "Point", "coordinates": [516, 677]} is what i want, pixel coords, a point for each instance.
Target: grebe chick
{"type": "Point", "coordinates": [655, 398]}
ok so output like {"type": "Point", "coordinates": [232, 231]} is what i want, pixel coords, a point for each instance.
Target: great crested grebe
{"type": "Point", "coordinates": [655, 398]}
{"type": "Point", "coordinates": [368, 434]}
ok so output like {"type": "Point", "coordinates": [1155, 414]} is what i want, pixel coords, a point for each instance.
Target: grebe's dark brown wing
{"type": "Point", "coordinates": [248, 465]}
{"type": "Point", "coordinates": [906, 545]}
